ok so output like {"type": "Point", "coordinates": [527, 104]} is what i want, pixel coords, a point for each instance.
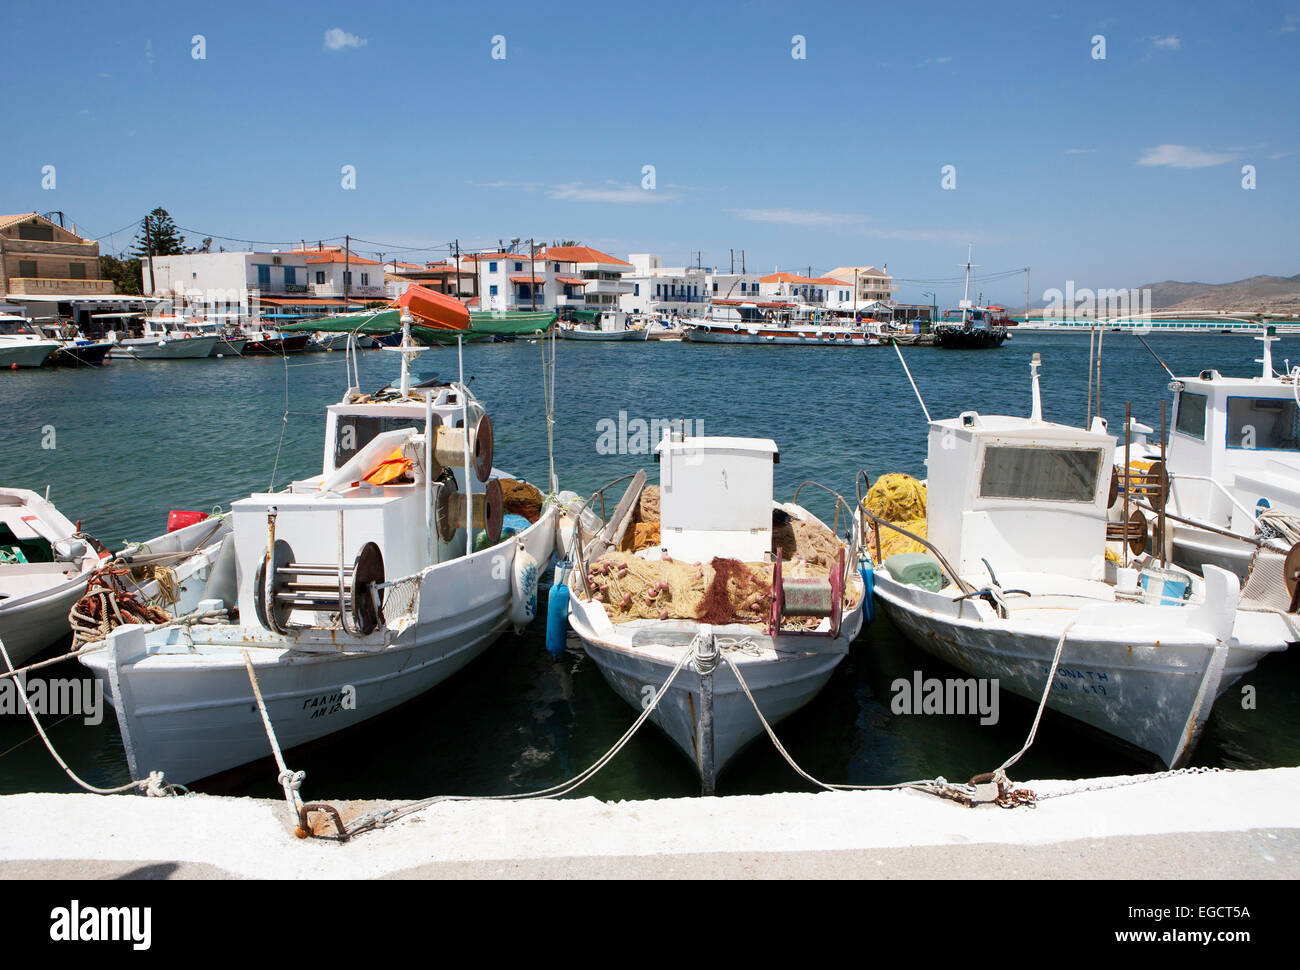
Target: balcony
{"type": "Point", "coordinates": [41, 286]}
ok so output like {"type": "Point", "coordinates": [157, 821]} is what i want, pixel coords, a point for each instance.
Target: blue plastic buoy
{"type": "Point", "coordinates": [868, 592]}
{"type": "Point", "coordinates": [557, 619]}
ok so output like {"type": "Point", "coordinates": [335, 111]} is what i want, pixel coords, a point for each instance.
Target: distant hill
{"type": "Point", "coordinates": [1275, 293]}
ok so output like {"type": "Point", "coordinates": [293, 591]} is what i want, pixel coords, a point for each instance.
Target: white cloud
{"type": "Point", "coordinates": [1182, 156]}
{"type": "Point", "coordinates": [1290, 24]}
{"type": "Point", "coordinates": [1079, 151]}
{"type": "Point", "coordinates": [800, 217]}
{"type": "Point", "coordinates": [934, 60]}
{"type": "Point", "coordinates": [577, 192]}
{"type": "Point", "coordinates": [337, 39]}
{"type": "Point", "coordinates": [1169, 42]}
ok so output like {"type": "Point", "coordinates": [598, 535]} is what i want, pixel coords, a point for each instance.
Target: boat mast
{"type": "Point", "coordinates": [1266, 339]}
{"type": "Point", "coordinates": [965, 300]}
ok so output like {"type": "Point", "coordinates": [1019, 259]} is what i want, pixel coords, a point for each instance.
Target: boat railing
{"type": "Point", "coordinates": [578, 550]}
{"type": "Point", "coordinates": [877, 522]}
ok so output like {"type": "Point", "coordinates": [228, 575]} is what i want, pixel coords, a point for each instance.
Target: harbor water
{"type": "Point", "coordinates": [122, 445]}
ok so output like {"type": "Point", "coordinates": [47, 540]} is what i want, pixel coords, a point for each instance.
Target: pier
{"type": "Point", "coordinates": [1211, 825]}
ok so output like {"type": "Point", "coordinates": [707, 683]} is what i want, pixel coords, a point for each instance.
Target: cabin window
{"type": "Point", "coordinates": [1190, 419]}
{"type": "Point", "coordinates": [1265, 423]}
{"type": "Point", "coordinates": [1043, 474]}
{"type": "Point", "coordinates": [355, 431]}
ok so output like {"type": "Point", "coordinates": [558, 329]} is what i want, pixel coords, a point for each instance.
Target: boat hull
{"type": "Point", "coordinates": [166, 348]}
{"type": "Point", "coordinates": [228, 347]}
{"type": "Point", "coordinates": [606, 335]}
{"type": "Point", "coordinates": [1154, 694]}
{"type": "Point", "coordinates": [780, 686]}
{"type": "Point", "coordinates": [276, 346]}
{"type": "Point", "coordinates": [27, 354]}
{"type": "Point", "coordinates": [969, 339]}
{"type": "Point", "coordinates": [82, 355]}
{"type": "Point", "coordinates": [780, 336]}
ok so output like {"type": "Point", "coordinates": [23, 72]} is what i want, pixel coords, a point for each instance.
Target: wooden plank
{"type": "Point", "coordinates": [612, 534]}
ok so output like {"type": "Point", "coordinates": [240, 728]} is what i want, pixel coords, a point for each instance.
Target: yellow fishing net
{"type": "Point", "coordinates": [900, 499]}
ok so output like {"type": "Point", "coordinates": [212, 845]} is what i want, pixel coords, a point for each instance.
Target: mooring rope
{"type": "Point", "coordinates": [290, 781]}
{"type": "Point", "coordinates": [938, 786]}
{"type": "Point", "coordinates": [555, 791]}
{"type": "Point", "coordinates": [153, 785]}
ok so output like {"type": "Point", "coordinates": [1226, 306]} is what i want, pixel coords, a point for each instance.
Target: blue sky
{"type": "Point", "coordinates": [1110, 173]}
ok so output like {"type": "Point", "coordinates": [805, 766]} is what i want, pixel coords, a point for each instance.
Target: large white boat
{"type": "Point", "coordinates": [713, 583]}
{"type": "Point", "coordinates": [22, 346]}
{"type": "Point", "coordinates": [780, 322]}
{"type": "Point", "coordinates": [1015, 584]}
{"type": "Point", "coordinates": [359, 588]}
{"type": "Point", "coordinates": [1233, 464]}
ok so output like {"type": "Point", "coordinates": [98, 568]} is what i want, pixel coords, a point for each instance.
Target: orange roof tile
{"type": "Point", "coordinates": [580, 254]}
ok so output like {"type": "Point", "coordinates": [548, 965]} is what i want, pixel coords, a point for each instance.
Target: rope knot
{"type": "Point", "coordinates": [291, 779]}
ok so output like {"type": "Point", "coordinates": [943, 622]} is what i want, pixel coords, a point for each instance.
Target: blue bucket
{"type": "Point", "coordinates": [1165, 587]}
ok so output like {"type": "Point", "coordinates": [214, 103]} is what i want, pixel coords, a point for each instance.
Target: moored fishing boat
{"type": "Point", "coordinates": [263, 342]}
{"type": "Point", "coordinates": [161, 337]}
{"type": "Point", "coordinates": [779, 323]}
{"type": "Point", "coordinates": [970, 327]}
{"type": "Point", "coordinates": [1232, 464]}
{"type": "Point", "coordinates": [359, 588]}
{"type": "Point", "coordinates": [1012, 581]}
{"type": "Point", "coordinates": [47, 562]}
{"type": "Point", "coordinates": [22, 346]}
{"type": "Point", "coordinates": [694, 573]}
{"type": "Point", "coordinates": [609, 325]}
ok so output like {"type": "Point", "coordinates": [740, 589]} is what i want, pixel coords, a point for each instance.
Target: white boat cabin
{"type": "Point", "coordinates": [1023, 493]}
{"type": "Point", "coordinates": [1242, 433]}
{"type": "Point", "coordinates": [374, 488]}
{"type": "Point", "coordinates": [715, 497]}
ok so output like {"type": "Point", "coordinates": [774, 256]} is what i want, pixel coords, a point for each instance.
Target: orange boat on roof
{"type": "Point", "coordinates": [434, 310]}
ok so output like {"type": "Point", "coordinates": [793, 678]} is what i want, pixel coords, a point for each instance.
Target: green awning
{"type": "Point", "coordinates": [586, 316]}
{"type": "Point", "coordinates": [483, 325]}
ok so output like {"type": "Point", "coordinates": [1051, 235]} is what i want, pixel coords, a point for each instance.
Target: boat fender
{"type": "Point", "coordinates": [557, 617]}
{"type": "Point", "coordinates": [523, 588]}
{"type": "Point", "coordinates": [868, 573]}
{"type": "Point", "coordinates": [735, 328]}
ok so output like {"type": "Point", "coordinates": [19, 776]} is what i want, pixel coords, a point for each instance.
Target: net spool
{"type": "Point", "coordinates": [487, 509]}
{"type": "Point", "coordinates": [1135, 534]}
{"type": "Point", "coordinates": [1291, 573]}
{"type": "Point", "coordinates": [449, 446]}
{"type": "Point", "coordinates": [292, 585]}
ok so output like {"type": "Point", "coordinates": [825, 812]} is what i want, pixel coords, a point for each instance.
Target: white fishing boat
{"type": "Point", "coordinates": [323, 341]}
{"type": "Point", "coordinates": [359, 588]}
{"type": "Point", "coordinates": [780, 322]}
{"type": "Point", "coordinates": [22, 346]}
{"type": "Point", "coordinates": [46, 563]}
{"type": "Point", "coordinates": [714, 582]}
{"type": "Point", "coordinates": [229, 341]}
{"type": "Point", "coordinates": [1232, 460]}
{"type": "Point", "coordinates": [1015, 584]}
{"type": "Point", "coordinates": [605, 325]}
{"type": "Point", "coordinates": [163, 337]}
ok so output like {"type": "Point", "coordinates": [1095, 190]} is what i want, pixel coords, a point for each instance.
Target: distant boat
{"type": "Point", "coordinates": [163, 338]}
{"type": "Point", "coordinates": [970, 327]}
{"type": "Point", "coordinates": [21, 345]}
{"type": "Point", "coordinates": [611, 325]}
{"type": "Point", "coordinates": [780, 323]}
{"type": "Point", "coordinates": [273, 343]}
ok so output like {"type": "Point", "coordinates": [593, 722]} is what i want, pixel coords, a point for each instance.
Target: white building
{"type": "Point", "coordinates": [227, 282]}
{"type": "Point", "coordinates": [676, 290]}
{"type": "Point", "coordinates": [333, 273]}
{"type": "Point", "coordinates": [872, 284]}
{"type": "Point", "coordinates": [817, 290]}
{"type": "Point", "coordinates": [562, 276]}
